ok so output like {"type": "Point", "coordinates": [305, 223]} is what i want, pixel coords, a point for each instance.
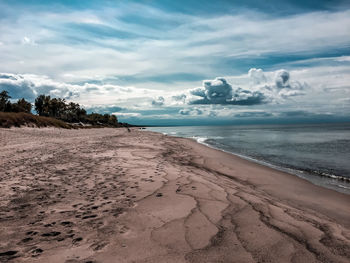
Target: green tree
{"type": "Point", "coordinates": [113, 120]}
{"type": "Point", "coordinates": [53, 107]}
{"type": "Point", "coordinates": [42, 105]}
{"type": "Point", "coordinates": [4, 100]}
{"type": "Point", "coordinates": [21, 106]}
{"type": "Point", "coordinates": [39, 104]}
{"type": "Point", "coordinates": [71, 112]}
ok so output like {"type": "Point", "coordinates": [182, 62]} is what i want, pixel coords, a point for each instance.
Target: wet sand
{"type": "Point", "coordinates": [107, 195]}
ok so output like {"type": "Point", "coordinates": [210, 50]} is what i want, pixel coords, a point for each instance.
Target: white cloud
{"type": "Point", "coordinates": [195, 44]}
{"type": "Point", "coordinates": [127, 114]}
{"type": "Point", "coordinates": [30, 85]}
{"type": "Point", "coordinates": [218, 91]}
{"type": "Point", "coordinates": [254, 88]}
{"type": "Point", "coordinates": [343, 59]}
{"type": "Point", "coordinates": [28, 41]}
{"type": "Point", "coordinates": [257, 75]}
{"type": "Point", "coordinates": [280, 89]}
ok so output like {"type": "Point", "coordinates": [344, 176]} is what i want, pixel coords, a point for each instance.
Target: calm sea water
{"type": "Point", "coordinates": [318, 153]}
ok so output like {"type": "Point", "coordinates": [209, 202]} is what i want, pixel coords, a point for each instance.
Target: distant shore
{"type": "Point", "coordinates": [109, 195]}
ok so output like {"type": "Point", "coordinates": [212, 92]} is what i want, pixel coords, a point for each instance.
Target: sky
{"type": "Point", "coordinates": [182, 62]}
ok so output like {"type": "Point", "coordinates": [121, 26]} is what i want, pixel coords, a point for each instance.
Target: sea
{"type": "Point", "coordinates": [319, 153]}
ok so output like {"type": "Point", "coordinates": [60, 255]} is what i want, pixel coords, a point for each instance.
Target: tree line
{"type": "Point", "coordinates": [20, 106]}
{"type": "Point", "coordinates": [56, 108]}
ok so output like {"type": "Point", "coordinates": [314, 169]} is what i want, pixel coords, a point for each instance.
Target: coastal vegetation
{"type": "Point", "coordinates": [18, 119]}
{"type": "Point", "coordinates": [55, 112]}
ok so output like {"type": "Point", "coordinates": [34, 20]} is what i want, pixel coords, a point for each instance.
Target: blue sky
{"type": "Point", "coordinates": [182, 62]}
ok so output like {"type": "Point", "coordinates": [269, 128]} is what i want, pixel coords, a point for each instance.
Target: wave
{"type": "Point", "coordinates": [201, 140]}
{"type": "Point", "coordinates": [343, 186]}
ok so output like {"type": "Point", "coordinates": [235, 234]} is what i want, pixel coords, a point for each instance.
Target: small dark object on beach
{"type": "Point", "coordinates": [159, 195]}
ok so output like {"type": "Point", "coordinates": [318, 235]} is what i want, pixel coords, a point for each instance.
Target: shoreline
{"type": "Point", "coordinates": [322, 180]}
{"type": "Point", "coordinates": [299, 173]}
{"type": "Point", "coordinates": [109, 195]}
{"type": "Point", "coordinates": [326, 192]}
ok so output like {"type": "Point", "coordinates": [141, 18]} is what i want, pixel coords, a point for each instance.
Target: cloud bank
{"type": "Point", "coordinates": [254, 88]}
{"type": "Point", "coordinates": [29, 86]}
{"type": "Point", "coordinates": [218, 91]}
{"type": "Point", "coordinates": [257, 94]}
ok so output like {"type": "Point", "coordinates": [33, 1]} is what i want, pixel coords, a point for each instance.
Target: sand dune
{"type": "Point", "coordinates": [107, 195]}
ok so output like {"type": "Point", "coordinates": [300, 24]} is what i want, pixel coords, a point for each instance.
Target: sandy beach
{"type": "Point", "coordinates": [109, 195]}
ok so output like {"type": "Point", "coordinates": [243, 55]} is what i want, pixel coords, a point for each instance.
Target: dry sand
{"type": "Point", "coordinates": [106, 195]}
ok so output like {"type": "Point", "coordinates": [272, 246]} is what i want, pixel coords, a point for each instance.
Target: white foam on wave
{"type": "Point", "coordinates": [343, 186]}
{"type": "Point", "coordinates": [200, 139]}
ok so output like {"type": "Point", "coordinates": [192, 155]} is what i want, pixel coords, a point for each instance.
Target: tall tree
{"type": "Point", "coordinates": [4, 100]}
{"type": "Point", "coordinates": [42, 105]}
{"type": "Point", "coordinates": [39, 104]}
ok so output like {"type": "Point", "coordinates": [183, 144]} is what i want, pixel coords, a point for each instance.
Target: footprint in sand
{"type": "Point", "coordinates": [89, 216]}
{"type": "Point", "coordinates": [26, 240]}
{"type": "Point", "coordinates": [77, 240]}
{"type": "Point", "coordinates": [37, 252]}
{"type": "Point", "coordinates": [51, 234]}
{"type": "Point", "coordinates": [31, 233]}
{"type": "Point", "coordinates": [8, 255]}
{"type": "Point", "coordinates": [98, 246]}
{"type": "Point", "coordinates": [67, 223]}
